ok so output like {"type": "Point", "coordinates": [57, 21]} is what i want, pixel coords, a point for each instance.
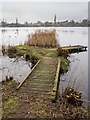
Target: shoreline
{"type": "Point", "coordinates": [37, 104]}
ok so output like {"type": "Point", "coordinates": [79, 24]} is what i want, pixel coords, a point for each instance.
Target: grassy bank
{"type": "Point", "coordinates": [10, 100]}
{"type": "Point", "coordinates": [39, 53]}
{"type": "Point", "coordinates": [21, 105]}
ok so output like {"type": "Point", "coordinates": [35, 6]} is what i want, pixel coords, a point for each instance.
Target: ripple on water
{"type": "Point", "coordinates": [16, 67]}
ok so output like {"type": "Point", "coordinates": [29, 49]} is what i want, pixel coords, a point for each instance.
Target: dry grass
{"type": "Point", "coordinates": [61, 52]}
{"type": "Point", "coordinates": [43, 38]}
{"type": "Point", "coordinates": [3, 49]}
{"type": "Point", "coordinates": [11, 49]}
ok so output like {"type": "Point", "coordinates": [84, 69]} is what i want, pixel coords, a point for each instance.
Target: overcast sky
{"type": "Point", "coordinates": [43, 11]}
{"type": "Point", "coordinates": [44, 0]}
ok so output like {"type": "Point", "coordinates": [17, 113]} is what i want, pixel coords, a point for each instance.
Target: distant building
{"type": "Point", "coordinates": [3, 20]}
{"type": "Point", "coordinates": [26, 22]}
{"type": "Point", "coordinates": [55, 23]}
{"type": "Point", "coordinates": [46, 24]}
{"type": "Point", "coordinates": [3, 23]}
{"type": "Point", "coordinates": [55, 19]}
{"type": "Point", "coordinates": [38, 22]}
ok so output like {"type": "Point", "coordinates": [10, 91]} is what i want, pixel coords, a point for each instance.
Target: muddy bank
{"type": "Point", "coordinates": [36, 106]}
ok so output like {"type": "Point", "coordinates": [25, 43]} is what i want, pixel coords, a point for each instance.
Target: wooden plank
{"type": "Point", "coordinates": [42, 78]}
{"type": "Point", "coordinates": [56, 82]}
{"type": "Point", "coordinates": [73, 47]}
{"type": "Point", "coordinates": [77, 48]}
{"type": "Point", "coordinates": [28, 75]}
{"type": "Point", "coordinates": [56, 78]}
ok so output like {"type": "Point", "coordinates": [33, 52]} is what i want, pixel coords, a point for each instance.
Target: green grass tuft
{"type": "Point", "coordinates": [10, 106]}
{"type": "Point", "coordinates": [51, 54]}
{"type": "Point", "coordinates": [34, 53]}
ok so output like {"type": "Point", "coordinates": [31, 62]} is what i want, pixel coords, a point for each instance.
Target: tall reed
{"type": "Point", "coordinates": [11, 50]}
{"type": "Point", "coordinates": [3, 49]}
{"type": "Point", "coordinates": [43, 38]}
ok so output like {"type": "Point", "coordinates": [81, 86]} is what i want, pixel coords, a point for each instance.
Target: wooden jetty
{"type": "Point", "coordinates": [75, 48]}
{"type": "Point", "coordinates": [44, 78]}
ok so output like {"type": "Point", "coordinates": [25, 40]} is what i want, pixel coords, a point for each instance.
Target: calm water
{"type": "Point", "coordinates": [66, 36]}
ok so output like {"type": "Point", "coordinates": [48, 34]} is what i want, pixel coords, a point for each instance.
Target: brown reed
{"type": "Point", "coordinates": [3, 49]}
{"type": "Point", "coordinates": [11, 49]}
{"type": "Point", "coordinates": [43, 38]}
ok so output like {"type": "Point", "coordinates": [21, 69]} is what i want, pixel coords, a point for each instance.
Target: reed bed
{"type": "Point", "coordinates": [3, 49]}
{"type": "Point", "coordinates": [11, 49]}
{"type": "Point", "coordinates": [42, 38]}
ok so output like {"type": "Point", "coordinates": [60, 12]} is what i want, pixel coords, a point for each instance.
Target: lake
{"type": "Point", "coordinates": [78, 68]}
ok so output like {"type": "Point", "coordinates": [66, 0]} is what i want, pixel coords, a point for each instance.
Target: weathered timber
{"type": "Point", "coordinates": [75, 48]}
{"type": "Point", "coordinates": [56, 78]}
{"type": "Point", "coordinates": [28, 75]}
{"type": "Point", "coordinates": [56, 81]}
{"type": "Point", "coordinates": [43, 79]}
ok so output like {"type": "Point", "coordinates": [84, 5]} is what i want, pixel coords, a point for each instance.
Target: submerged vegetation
{"type": "Point", "coordinates": [3, 49]}
{"type": "Point", "coordinates": [11, 50]}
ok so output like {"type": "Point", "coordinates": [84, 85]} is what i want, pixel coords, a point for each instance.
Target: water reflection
{"type": "Point", "coordinates": [17, 31]}
{"type": "Point", "coordinates": [3, 31]}
{"type": "Point", "coordinates": [13, 67]}
{"type": "Point", "coordinates": [66, 35]}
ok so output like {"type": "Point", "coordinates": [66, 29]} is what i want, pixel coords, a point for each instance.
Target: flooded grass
{"type": "Point", "coordinates": [11, 50]}
{"type": "Point", "coordinates": [3, 49]}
